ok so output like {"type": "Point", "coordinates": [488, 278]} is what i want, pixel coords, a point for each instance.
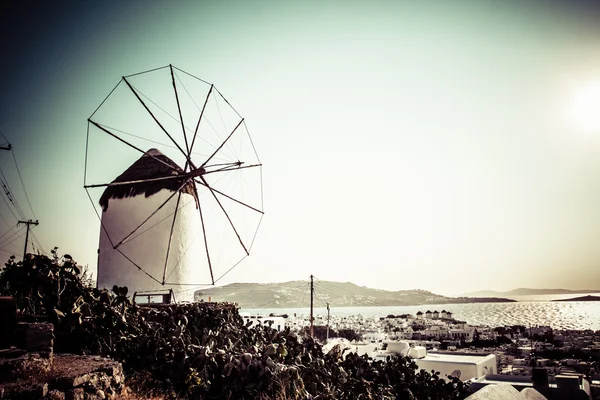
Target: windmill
{"type": "Point", "coordinates": [175, 180]}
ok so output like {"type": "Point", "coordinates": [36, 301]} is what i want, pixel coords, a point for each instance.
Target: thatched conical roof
{"type": "Point", "coordinates": [147, 166]}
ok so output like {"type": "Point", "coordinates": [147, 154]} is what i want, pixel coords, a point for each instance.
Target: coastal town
{"type": "Point", "coordinates": [476, 353]}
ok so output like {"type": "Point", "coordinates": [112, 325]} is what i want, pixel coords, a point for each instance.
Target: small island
{"type": "Point", "coordinates": [460, 300]}
{"type": "Point", "coordinates": [582, 298]}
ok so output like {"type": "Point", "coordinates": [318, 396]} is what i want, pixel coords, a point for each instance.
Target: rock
{"type": "Point", "coordinates": [55, 395]}
{"type": "Point", "coordinates": [114, 369]}
{"type": "Point", "coordinates": [26, 365]}
{"type": "Point", "coordinates": [92, 373]}
{"type": "Point", "coordinates": [11, 353]}
{"type": "Point", "coordinates": [75, 394]}
{"type": "Point", "coordinates": [72, 377]}
{"type": "Point", "coordinates": [73, 381]}
{"type": "Point", "coordinates": [92, 396]}
{"type": "Point", "coordinates": [98, 381]}
{"type": "Point", "coordinates": [20, 391]}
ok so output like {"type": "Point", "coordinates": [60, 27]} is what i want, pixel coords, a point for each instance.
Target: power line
{"type": "Point", "coordinates": [11, 235]}
{"type": "Point", "coordinates": [12, 253]}
{"type": "Point", "coordinates": [38, 244]}
{"type": "Point", "coordinates": [9, 194]}
{"type": "Point", "coordinates": [8, 231]}
{"type": "Point", "coordinates": [22, 184]}
{"type": "Point", "coordinates": [4, 219]}
{"type": "Point", "coordinates": [3, 147]}
{"type": "Point", "coordinates": [14, 239]}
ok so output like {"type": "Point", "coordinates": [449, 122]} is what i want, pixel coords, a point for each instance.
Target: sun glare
{"type": "Point", "coordinates": [585, 108]}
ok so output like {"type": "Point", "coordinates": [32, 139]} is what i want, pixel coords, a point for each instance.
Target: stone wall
{"type": "Point", "coordinates": [30, 370]}
{"type": "Point", "coordinates": [68, 377]}
{"type": "Point", "coordinates": [37, 337]}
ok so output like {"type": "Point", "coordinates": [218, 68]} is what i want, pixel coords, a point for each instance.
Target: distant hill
{"type": "Point", "coordinates": [528, 292]}
{"type": "Point", "coordinates": [582, 298]}
{"type": "Point", "coordinates": [296, 294]}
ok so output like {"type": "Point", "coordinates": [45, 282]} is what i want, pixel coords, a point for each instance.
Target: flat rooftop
{"type": "Point", "coordinates": [456, 358]}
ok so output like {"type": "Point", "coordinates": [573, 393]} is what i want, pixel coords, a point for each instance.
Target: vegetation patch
{"type": "Point", "coordinates": [203, 350]}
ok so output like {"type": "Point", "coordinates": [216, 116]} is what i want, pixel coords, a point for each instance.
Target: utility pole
{"type": "Point", "coordinates": [327, 321]}
{"type": "Point", "coordinates": [532, 354]}
{"type": "Point", "coordinates": [28, 223]}
{"type": "Point", "coordinates": [312, 289]}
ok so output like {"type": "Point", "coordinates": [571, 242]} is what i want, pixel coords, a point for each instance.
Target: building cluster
{"type": "Point", "coordinates": [586, 340]}
{"type": "Point", "coordinates": [429, 325]}
{"type": "Point", "coordinates": [435, 340]}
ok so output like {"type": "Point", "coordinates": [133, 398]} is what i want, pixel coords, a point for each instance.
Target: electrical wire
{"type": "Point", "coordinates": [23, 185]}
{"type": "Point", "coordinates": [8, 231]}
{"type": "Point", "coordinates": [9, 198]}
{"type": "Point", "coordinates": [9, 242]}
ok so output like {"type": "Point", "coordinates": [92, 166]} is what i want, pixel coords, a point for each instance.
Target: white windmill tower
{"type": "Point", "coordinates": [185, 212]}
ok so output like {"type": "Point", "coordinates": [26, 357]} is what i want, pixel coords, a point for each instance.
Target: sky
{"type": "Point", "coordinates": [405, 145]}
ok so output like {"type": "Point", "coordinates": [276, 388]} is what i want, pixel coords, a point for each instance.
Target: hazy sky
{"type": "Point", "coordinates": [425, 144]}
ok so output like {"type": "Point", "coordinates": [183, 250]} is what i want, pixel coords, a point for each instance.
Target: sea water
{"type": "Point", "coordinates": [528, 310]}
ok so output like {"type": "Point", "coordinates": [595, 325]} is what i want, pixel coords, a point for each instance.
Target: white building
{"type": "Point", "coordinates": [464, 366]}
{"type": "Point", "coordinates": [436, 331]}
{"type": "Point", "coordinates": [135, 236]}
{"type": "Point", "coordinates": [461, 333]}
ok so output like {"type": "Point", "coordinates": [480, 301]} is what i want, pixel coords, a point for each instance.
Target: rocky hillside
{"type": "Point", "coordinates": [338, 294]}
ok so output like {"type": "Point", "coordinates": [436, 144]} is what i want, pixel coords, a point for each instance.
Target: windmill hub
{"type": "Point", "coordinates": [198, 172]}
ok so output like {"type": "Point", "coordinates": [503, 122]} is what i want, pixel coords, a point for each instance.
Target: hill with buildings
{"type": "Point", "coordinates": [527, 292]}
{"type": "Point", "coordinates": [296, 294]}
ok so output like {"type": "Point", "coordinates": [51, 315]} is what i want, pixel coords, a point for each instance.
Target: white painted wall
{"type": "Point", "coordinates": [486, 365]}
{"type": "Point", "coordinates": [149, 249]}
